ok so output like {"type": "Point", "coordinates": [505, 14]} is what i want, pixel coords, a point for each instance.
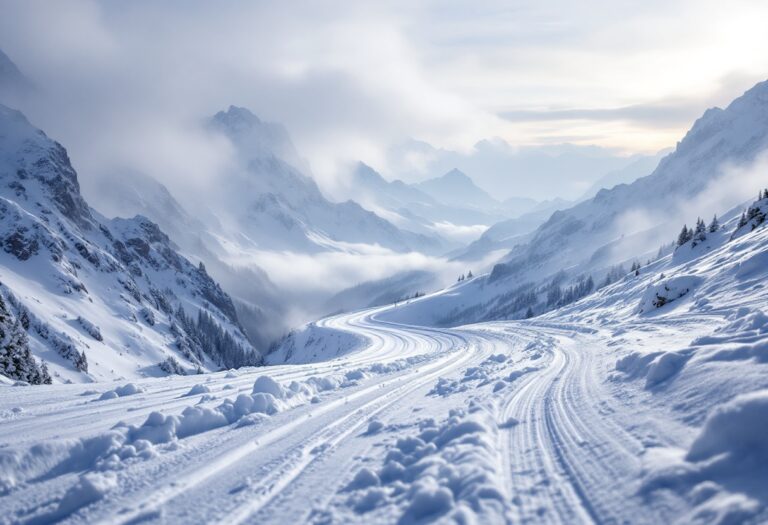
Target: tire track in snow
{"type": "Point", "coordinates": [150, 506]}
{"type": "Point", "coordinates": [583, 458]}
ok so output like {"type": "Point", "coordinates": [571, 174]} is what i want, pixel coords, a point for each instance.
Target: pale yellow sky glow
{"type": "Point", "coordinates": [668, 61]}
{"type": "Point", "coordinates": [351, 80]}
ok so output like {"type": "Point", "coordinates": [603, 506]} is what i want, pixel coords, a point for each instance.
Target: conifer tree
{"type": "Point", "coordinates": [700, 234]}
{"type": "Point", "coordinates": [685, 236]}
{"type": "Point", "coordinates": [714, 225]}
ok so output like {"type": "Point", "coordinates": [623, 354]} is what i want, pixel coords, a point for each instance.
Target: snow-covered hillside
{"type": "Point", "coordinates": [100, 299]}
{"type": "Point", "coordinates": [628, 223]}
{"type": "Point", "coordinates": [605, 411]}
{"type": "Point", "coordinates": [260, 305]}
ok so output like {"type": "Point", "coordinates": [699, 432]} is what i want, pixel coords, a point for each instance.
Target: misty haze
{"type": "Point", "coordinates": [383, 262]}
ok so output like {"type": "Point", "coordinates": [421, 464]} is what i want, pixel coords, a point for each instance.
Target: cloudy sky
{"type": "Point", "coordinates": [124, 82]}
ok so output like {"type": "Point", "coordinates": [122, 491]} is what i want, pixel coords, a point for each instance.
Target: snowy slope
{"type": "Point", "coordinates": [735, 135]}
{"type": "Point", "coordinates": [624, 224]}
{"type": "Point", "coordinates": [261, 306]}
{"type": "Point", "coordinates": [601, 412]}
{"type": "Point", "coordinates": [104, 296]}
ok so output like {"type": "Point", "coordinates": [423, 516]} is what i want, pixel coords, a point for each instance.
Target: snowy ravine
{"type": "Point", "coordinates": [605, 411]}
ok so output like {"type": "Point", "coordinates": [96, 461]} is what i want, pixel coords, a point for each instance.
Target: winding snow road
{"type": "Point", "coordinates": [573, 453]}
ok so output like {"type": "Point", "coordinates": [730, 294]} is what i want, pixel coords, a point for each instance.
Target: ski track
{"type": "Point", "coordinates": [571, 458]}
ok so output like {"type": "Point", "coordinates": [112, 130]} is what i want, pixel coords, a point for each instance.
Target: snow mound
{"type": "Point", "coordinates": [664, 367]}
{"type": "Point", "coordinates": [745, 336]}
{"type": "Point", "coordinates": [666, 291]}
{"type": "Point", "coordinates": [737, 428]}
{"type": "Point", "coordinates": [89, 488]}
{"type": "Point", "coordinates": [445, 472]}
{"type": "Point", "coordinates": [129, 389]}
{"type": "Point", "coordinates": [198, 389]}
{"type": "Point", "coordinates": [725, 470]}
{"type": "Point", "coordinates": [267, 385]}
{"type": "Point", "coordinates": [374, 426]}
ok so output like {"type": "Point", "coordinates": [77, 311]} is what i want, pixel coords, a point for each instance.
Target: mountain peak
{"type": "Point", "coordinates": [236, 118]}
{"type": "Point", "coordinates": [255, 138]}
{"type": "Point", "coordinates": [457, 175]}
{"type": "Point", "coordinates": [364, 173]}
{"type": "Point", "coordinates": [457, 188]}
{"type": "Point", "coordinates": [34, 165]}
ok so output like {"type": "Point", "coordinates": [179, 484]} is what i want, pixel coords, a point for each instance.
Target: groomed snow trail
{"type": "Point", "coordinates": [572, 453]}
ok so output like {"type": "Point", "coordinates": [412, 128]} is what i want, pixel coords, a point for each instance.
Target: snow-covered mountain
{"type": "Point", "coordinates": [568, 169]}
{"type": "Point", "coordinates": [505, 235]}
{"type": "Point", "coordinates": [411, 208]}
{"type": "Point", "coordinates": [639, 167]}
{"type": "Point", "coordinates": [623, 224]}
{"type": "Point", "coordinates": [261, 307]}
{"type": "Point", "coordinates": [721, 137]}
{"type": "Point", "coordinates": [100, 299]}
{"type": "Point", "coordinates": [456, 188]}
{"type": "Point", "coordinates": [280, 207]}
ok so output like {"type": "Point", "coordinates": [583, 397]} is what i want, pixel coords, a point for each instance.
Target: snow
{"type": "Point", "coordinates": [128, 389]}
{"type": "Point", "coordinates": [736, 428]}
{"type": "Point", "coordinates": [666, 291]}
{"type": "Point", "coordinates": [198, 389]}
{"type": "Point", "coordinates": [267, 385]}
{"type": "Point", "coordinates": [85, 281]}
{"type": "Point", "coordinates": [620, 407]}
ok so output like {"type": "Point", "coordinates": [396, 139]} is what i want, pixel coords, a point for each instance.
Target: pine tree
{"type": "Point", "coordinates": [743, 219]}
{"type": "Point", "coordinates": [46, 377]}
{"type": "Point", "coordinates": [685, 236]}
{"type": "Point", "coordinates": [469, 275]}
{"type": "Point", "coordinates": [700, 235]}
{"type": "Point", "coordinates": [529, 313]}
{"type": "Point", "coordinates": [714, 225]}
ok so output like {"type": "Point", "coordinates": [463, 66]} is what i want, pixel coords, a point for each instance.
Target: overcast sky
{"type": "Point", "coordinates": [123, 82]}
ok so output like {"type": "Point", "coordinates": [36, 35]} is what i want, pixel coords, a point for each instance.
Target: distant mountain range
{"type": "Point", "coordinates": [563, 170]}
{"type": "Point", "coordinates": [267, 204]}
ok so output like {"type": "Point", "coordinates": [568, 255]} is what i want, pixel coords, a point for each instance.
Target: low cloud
{"type": "Point", "coordinates": [645, 230]}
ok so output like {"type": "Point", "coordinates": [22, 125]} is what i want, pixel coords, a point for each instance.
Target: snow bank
{"type": "Point", "coordinates": [725, 470]}
{"type": "Point", "coordinates": [738, 428]}
{"type": "Point", "coordinates": [312, 343]}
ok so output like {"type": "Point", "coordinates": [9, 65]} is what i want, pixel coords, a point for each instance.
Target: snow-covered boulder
{"type": "Point", "coordinates": [666, 291]}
